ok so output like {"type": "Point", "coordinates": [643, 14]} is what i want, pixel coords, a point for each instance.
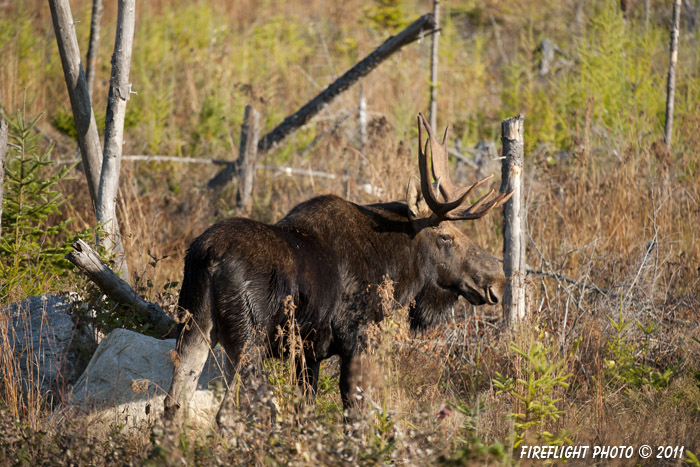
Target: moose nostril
{"type": "Point", "coordinates": [491, 295]}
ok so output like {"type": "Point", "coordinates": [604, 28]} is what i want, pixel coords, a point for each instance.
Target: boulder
{"type": "Point", "coordinates": [45, 344]}
{"type": "Point", "coordinates": [128, 377]}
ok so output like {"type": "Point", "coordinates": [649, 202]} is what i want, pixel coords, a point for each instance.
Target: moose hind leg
{"type": "Point", "coordinates": [244, 380]}
{"type": "Point", "coordinates": [194, 345]}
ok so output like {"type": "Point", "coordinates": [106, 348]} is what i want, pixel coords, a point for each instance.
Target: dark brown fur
{"type": "Point", "coordinates": [329, 255]}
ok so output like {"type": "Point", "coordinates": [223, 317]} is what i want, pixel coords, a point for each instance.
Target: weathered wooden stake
{"type": "Point", "coordinates": [434, 66]}
{"type": "Point", "coordinates": [247, 155]}
{"type": "Point", "coordinates": [3, 157]}
{"type": "Point", "coordinates": [671, 83]}
{"type": "Point", "coordinates": [94, 44]}
{"type": "Point", "coordinates": [119, 93]}
{"type": "Point", "coordinates": [514, 265]}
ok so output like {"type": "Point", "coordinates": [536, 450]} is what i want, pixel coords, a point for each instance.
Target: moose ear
{"type": "Point", "coordinates": [417, 207]}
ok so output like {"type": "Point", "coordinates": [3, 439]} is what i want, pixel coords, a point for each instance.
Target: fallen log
{"type": "Point", "coordinates": [120, 291]}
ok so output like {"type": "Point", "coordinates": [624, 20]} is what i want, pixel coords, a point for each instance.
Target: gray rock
{"type": "Point", "coordinates": [128, 376]}
{"type": "Point", "coordinates": [43, 340]}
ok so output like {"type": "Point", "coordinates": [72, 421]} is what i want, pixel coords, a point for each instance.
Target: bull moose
{"type": "Point", "coordinates": [329, 255]}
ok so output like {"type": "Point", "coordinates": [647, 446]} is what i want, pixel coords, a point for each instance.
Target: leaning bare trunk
{"type": "Point", "coordinates": [671, 83]}
{"type": "Point", "coordinates": [118, 290]}
{"type": "Point", "coordinates": [513, 220]}
{"type": "Point", "coordinates": [88, 138]}
{"type": "Point", "coordinates": [119, 91]}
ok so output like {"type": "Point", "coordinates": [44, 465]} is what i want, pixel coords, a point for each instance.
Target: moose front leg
{"type": "Point", "coordinates": [244, 380]}
{"type": "Point", "coordinates": [307, 378]}
{"type": "Point", "coordinates": [357, 377]}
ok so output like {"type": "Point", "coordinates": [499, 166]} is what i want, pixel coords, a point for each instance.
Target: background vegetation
{"type": "Point", "coordinates": [612, 359]}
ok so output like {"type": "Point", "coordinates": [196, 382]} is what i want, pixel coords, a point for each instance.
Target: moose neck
{"type": "Point", "coordinates": [371, 242]}
{"type": "Point", "coordinates": [413, 281]}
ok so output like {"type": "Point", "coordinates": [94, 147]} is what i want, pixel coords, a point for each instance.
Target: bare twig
{"type": "Point", "coordinates": [434, 66]}
{"type": "Point", "coordinates": [462, 158]}
{"type": "Point", "coordinates": [554, 275]}
{"type": "Point", "coordinates": [562, 278]}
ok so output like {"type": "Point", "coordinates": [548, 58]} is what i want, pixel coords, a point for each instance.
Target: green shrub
{"type": "Point", "coordinates": [626, 365]}
{"type": "Point", "coordinates": [471, 447]}
{"type": "Point", "coordinates": [34, 240]}
{"type": "Point", "coordinates": [536, 393]}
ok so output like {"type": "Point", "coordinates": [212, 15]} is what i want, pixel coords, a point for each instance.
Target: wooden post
{"type": "Point", "coordinates": [671, 83]}
{"type": "Point", "coordinates": [434, 66]}
{"type": "Point", "coordinates": [514, 265]}
{"type": "Point", "coordinates": [119, 92]}
{"type": "Point", "coordinates": [94, 44]}
{"type": "Point", "coordinates": [3, 157]}
{"type": "Point", "coordinates": [247, 155]}
{"type": "Point", "coordinates": [88, 138]}
{"type": "Point", "coordinates": [419, 28]}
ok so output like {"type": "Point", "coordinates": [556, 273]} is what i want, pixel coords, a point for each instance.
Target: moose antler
{"type": "Point", "coordinates": [453, 196]}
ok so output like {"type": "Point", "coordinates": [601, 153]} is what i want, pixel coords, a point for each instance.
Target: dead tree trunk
{"type": "Point", "coordinates": [88, 138]}
{"type": "Point", "coordinates": [119, 92]}
{"type": "Point", "coordinates": [3, 157]}
{"type": "Point", "coordinates": [514, 265]}
{"type": "Point", "coordinates": [671, 83]}
{"type": "Point", "coordinates": [247, 155]}
{"type": "Point", "coordinates": [94, 44]}
{"type": "Point", "coordinates": [419, 28]}
{"type": "Point", "coordinates": [434, 66]}
{"type": "Point", "coordinates": [118, 290]}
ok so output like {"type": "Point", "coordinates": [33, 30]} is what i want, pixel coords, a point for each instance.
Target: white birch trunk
{"type": "Point", "coordinates": [119, 91]}
{"type": "Point", "coordinates": [94, 45]}
{"type": "Point", "coordinates": [88, 138]}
